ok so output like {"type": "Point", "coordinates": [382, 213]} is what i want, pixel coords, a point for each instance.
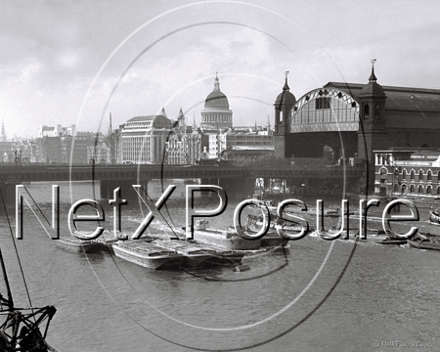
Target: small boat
{"type": "Point", "coordinates": [255, 222]}
{"type": "Point", "coordinates": [108, 238]}
{"type": "Point", "coordinates": [227, 238]}
{"type": "Point", "coordinates": [73, 244]}
{"type": "Point", "coordinates": [425, 241]}
{"type": "Point", "coordinates": [193, 255]}
{"type": "Point", "coordinates": [434, 217]}
{"type": "Point", "coordinates": [147, 254]}
{"type": "Point", "coordinates": [393, 240]}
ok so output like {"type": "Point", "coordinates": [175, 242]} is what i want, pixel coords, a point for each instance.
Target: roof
{"type": "Point", "coordinates": [253, 147]}
{"type": "Point", "coordinates": [405, 107]}
{"type": "Point", "coordinates": [285, 98]}
{"type": "Point", "coordinates": [143, 118]}
{"type": "Point", "coordinates": [217, 100]}
{"type": "Point", "coordinates": [398, 98]}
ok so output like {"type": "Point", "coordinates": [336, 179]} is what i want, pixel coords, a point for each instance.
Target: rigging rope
{"type": "Point", "coordinates": [16, 251]}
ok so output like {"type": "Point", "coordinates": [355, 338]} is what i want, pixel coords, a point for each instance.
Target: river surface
{"type": "Point", "coordinates": [314, 296]}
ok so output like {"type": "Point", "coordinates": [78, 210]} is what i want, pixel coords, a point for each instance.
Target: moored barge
{"type": "Point", "coordinates": [147, 254]}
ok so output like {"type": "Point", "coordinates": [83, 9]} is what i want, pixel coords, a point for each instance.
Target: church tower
{"type": "Point", "coordinates": [283, 110]}
{"type": "Point", "coordinates": [372, 131]}
{"type": "Point", "coordinates": [3, 137]}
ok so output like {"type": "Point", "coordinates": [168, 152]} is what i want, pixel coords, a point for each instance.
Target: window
{"type": "Point", "coordinates": [383, 175]}
{"type": "Point", "coordinates": [421, 175]}
{"type": "Point", "coordinates": [428, 190]}
{"type": "Point", "coordinates": [412, 175]}
{"type": "Point", "coordinates": [322, 103]}
{"type": "Point", "coordinates": [366, 111]}
{"type": "Point", "coordinates": [403, 189]}
{"type": "Point", "coordinates": [429, 176]}
{"type": "Point", "coordinates": [404, 175]}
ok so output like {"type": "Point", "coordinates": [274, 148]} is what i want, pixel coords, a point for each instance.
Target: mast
{"type": "Point", "coordinates": [9, 301]}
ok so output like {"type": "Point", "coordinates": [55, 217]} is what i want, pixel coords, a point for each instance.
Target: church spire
{"type": "Point", "coordinates": [3, 133]}
{"type": "Point", "coordinates": [216, 83]}
{"type": "Point", "coordinates": [372, 76]}
{"type": "Point", "coordinates": [110, 127]}
{"type": "Point", "coordinates": [286, 86]}
{"type": "Point", "coordinates": [194, 121]}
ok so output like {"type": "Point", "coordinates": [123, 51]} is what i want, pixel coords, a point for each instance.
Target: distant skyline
{"type": "Point", "coordinates": [166, 54]}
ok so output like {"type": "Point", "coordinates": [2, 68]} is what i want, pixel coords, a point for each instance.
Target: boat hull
{"type": "Point", "coordinates": [77, 246]}
{"type": "Point", "coordinates": [138, 254]}
{"type": "Point", "coordinates": [193, 255]}
{"type": "Point", "coordinates": [226, 240]}
{"type": "Point", "coordinates": [424, 244]}
{"type": "Point", "coordinates": [434, 217]}
{"type": "Point", "coordinates": [393, 241]}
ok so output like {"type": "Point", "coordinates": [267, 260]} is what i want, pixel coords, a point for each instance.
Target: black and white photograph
{"type": "Point", "coordinates": [219, 175]}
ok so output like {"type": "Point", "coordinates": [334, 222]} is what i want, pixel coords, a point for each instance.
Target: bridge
{"type": "Point", "coordinates": [230, 177]}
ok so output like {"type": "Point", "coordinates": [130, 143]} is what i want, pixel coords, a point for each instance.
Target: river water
{"type": "Point", "coordinates": [314, 296]}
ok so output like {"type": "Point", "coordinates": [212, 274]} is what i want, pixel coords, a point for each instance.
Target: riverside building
{"type": "Point", "coordinates": [143, 139]}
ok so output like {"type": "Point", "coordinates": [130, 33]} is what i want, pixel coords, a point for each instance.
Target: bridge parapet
{"type": "Point", "coordinates": [148, 172]}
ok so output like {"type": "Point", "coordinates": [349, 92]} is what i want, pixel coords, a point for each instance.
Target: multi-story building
{"type": "Point", "coordinates": [246, 142]}
{"type": "Point", "coordinates": [407, 171]}
{"type": "Point", "coordinates": [184, 144]}
{"type": "Point", "coordinates": [56, 131]}
{"type": "Point", "coordinates": [143, 139]}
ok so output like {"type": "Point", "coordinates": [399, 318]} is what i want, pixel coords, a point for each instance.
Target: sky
{"type": "Point", "coordinates": [77, 62]}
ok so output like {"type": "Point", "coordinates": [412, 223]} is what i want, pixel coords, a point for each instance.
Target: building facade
{"type": "Point", "coordinates": [56, 131]}
{"type": "Point", "coordinates": [404, 171]}
{"type": "Point", "coordinates": [143, 139]}
{"type": "Point", "coordinates": [350, 120]}
{"type": "Point", "coordinates": [184, 145]}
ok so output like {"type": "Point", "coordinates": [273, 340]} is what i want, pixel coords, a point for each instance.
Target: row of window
{"type": "Point", "coordinates": [404, 189]}
{"type": "Point", "coordinates": [412, 174]}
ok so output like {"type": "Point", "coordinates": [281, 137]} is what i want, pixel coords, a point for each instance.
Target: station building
{"type": "Point", "coordinates": [352, 120]}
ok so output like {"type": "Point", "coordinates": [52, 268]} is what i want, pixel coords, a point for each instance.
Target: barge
{"type": "Point", "coordinates": [147, 254]}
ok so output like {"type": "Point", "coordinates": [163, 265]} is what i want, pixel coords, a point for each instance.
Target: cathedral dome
{"type": "Point", "coordinates": [216, 99]}
{"type": "Point", "coordinates": [216, 114]}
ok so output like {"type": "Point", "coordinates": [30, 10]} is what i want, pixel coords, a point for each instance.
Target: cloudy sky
{"type": "Point", "coordinates": [74, 62]}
